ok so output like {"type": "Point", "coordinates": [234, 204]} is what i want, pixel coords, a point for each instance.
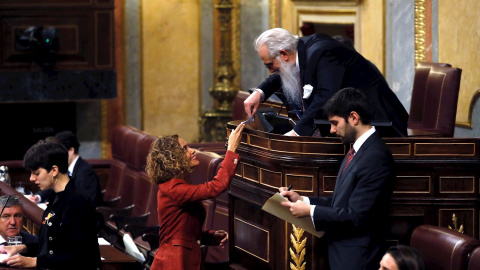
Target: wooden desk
{"type": "Point", "coordinates": [115, 259]}
{"type": "Point", "coordinates": [437, 183]}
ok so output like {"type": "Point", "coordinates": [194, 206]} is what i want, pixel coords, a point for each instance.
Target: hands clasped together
{"type": "Point", "coordinates": [14, 259]}
{"type": "Point", "coordinates": [295, 202]}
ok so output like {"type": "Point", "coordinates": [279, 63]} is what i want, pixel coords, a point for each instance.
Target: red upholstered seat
{"type": "Point", "coordinates": [442, 248]}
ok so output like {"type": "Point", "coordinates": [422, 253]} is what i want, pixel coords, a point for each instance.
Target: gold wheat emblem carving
{"type": "Point", "coordinates": [455, 223]}
{"type": "Point", "coordinates": [298, 252]}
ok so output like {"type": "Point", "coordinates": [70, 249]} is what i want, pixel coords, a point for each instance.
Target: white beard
{"type": "Point", "coordinates": [290, 82]}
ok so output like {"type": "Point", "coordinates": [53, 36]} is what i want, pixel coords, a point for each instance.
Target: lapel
{"type": "Point", "coordinates": [301, 50]}
{"type": "Point", "coordinates": [358, 156]}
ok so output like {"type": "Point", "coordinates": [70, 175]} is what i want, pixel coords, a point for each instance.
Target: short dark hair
{"type": "Point", "coordinates": [406, 257]}
{"type": "Point", "coordinates": [69, 140]}
{"type": "Point", "coordinates": [12, 201]}
{"type": "Point", "coordinates": [46, 153]}
{"type": "Point", "coordinates": [345, 101]}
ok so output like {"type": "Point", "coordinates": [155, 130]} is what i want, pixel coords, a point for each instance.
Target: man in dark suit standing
{"type": "Point", "coordinates": [82, 173]}
{"type": "Point", "coordinates": [353, 217]}
{"type": "Point", "coordinates": [309, 70]}
{"type": "Point", "coordinates": [11, 221]}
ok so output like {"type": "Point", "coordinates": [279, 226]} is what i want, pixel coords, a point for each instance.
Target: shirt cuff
{"type": "Point", "coordinates": [261, 93]}
{"type": "Point", "coordinates": [312, 207]}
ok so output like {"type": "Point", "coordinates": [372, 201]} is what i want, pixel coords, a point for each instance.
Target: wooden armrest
{"type": "Point", "coordinates": [152, 239]}
{"type": "Point", "coordinates": [113, 203]}
{"type": "Point", "coordinates": [107, 211]}
{"type": "Point", "coordinates": [137, 230]}
{"type": "Point", "coordinates": [121, 221]}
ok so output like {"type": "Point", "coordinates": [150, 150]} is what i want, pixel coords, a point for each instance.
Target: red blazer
{"type": "Point", "coordinates": [181, 215]}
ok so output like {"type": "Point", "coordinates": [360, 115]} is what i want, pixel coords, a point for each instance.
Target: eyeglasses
{"type": "Point", "coordinates": [7, 217]}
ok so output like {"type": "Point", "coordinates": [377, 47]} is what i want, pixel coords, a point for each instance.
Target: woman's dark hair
{"type": "Point", "coordinates": [46, 153]}
{"type": "Point", "coordinates": [166, 160]}
{"type": "Point", "coordinates": [406, 257]}
{"type": "Point", "coordinates": [345, 101]}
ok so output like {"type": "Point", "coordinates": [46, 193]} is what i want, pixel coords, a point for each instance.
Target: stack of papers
{"type": "Point", "coordinates": [274, 207]}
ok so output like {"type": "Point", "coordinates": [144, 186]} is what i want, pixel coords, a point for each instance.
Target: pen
{"type": "Point", "coordinates": [289, 187]}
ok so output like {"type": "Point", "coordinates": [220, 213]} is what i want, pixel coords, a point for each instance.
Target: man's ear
{"type": "Point", "coordinates": [284, 54]}
{"type": "Point", "coordinates": [354, 118]}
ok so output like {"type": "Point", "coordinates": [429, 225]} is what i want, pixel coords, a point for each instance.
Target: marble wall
{"type": "Point", "coordinates": [133, 80]}
{"type": "Point", "coordinates": [400, 48]}
{"type": "Point", "coordinates": [254, 20]}
{"type": "Point", "coordinates": [458, 44]}
{"type": "Point", "coordinates": [170, 45]}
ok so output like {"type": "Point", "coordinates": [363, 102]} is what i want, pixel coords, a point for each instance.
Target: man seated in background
{"type": "Point", "coordinates": [11, 221]}
{"type": "Point", "coordinates": [82, 173]}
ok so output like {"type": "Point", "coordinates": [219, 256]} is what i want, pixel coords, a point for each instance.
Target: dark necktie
{"type": "Point", "coordinates": [350, 155]}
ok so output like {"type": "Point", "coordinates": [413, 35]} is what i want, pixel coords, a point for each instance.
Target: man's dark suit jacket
{"type": "Point", "coordinates": [353, 218]}
{"type": "Point", "coordinates": [328, 66]}
{"type": "Point", "coordinates": [28, 239]}
{"type": "Point", "coordinates": [86, 182]}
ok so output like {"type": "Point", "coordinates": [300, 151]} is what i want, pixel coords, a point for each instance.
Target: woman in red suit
{"type": "Point", "coordinates": [180, 211]}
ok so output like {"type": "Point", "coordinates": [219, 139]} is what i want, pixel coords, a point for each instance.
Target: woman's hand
{"type": "Point", "coordinates": [221, 237]}
{"type": "Point", "coordinates": [21, 261]}
{"type": "Point", "coordinates": [235, 138]}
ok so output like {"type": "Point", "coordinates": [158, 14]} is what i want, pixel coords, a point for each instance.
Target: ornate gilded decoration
{"type": "Point", "coordinates": [455, 228]}
{"type": "Point", "coordinates": [420, 30]}
{"type": "Point", "coordinates": [273, 17]}
{"type": "Point", "coordinates": [225, 89]}
{"type": "Point", "coordinates": [298, 256]}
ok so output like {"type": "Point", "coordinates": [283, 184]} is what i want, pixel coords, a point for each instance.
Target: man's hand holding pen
{"type": "Point", "coordinates": [296, 204]}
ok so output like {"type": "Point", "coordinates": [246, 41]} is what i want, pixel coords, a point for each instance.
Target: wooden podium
{"type": "Point", "coordinates": [437, 184]}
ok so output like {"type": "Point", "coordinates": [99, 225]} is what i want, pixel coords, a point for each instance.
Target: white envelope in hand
{"type": "Point", "coordinates": [307, 91]}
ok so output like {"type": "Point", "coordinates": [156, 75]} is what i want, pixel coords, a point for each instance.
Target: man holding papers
{"type": "Point", "coordinates": [354, 217]}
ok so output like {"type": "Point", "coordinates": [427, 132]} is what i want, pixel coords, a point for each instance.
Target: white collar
{"type": "Point", "coordinates": [297, 65]}
{"type": "Point", "coordinates": [358, 143]}
{"type": "Point", "coordinates": [70, 168]}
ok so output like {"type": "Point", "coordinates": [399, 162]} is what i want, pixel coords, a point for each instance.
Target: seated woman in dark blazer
{"type": "Point", "coordinates": [68, 238]}
{"type": "Point", "coordinates": [180, 211]}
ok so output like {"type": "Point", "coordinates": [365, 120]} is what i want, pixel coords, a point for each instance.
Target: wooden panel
{"type": "Point", "coordinates": [45, 3]}
{"type": "Point", "coordinates": [258, 141]}
{"type": "Point", "coordinates": [413, 185]}
{"type": "Point", "coordinates": [459, 219]}
{"type": "Point", "coordinates": [244, 232]}
{"type": "Point", "coordinates": [444, 149]}
{"type": "Point", "coordinates": [250, 172]}
{"type": "Point", "coordinates": [104, 31]}
{"type": "Point", "coordinates": [305, 148]}
{"type": "Point", "coordinates": [329, 184]}
{"type": "Point", "coordinates": [271, 178]}
{"type": "Point", "coordinates": [457, 184]}
{"type": "Point", "coordinates": [301, 183]}
{"type": "Point", "coordinates": [399, 149]}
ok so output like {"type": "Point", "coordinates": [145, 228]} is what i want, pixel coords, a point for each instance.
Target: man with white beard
{"type": "Point", "coordinates": [309, 70]}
